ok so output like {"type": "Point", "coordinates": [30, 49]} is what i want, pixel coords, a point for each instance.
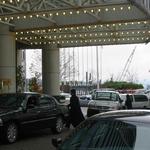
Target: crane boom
{"type": "Point", "coordinates": [127, 65]}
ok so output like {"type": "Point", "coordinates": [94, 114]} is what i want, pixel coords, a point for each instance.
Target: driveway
{"type": "Point", "coordinates": [40, 140]}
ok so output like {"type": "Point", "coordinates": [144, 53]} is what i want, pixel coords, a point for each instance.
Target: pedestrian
{"type": "Point", "coordinates": [76, 115]}
{"type": "Point", "coordinates": [128, 102]}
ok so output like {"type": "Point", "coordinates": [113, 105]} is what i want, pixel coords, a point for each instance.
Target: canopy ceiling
{"type": "Point", "coordinates": [72, 23]}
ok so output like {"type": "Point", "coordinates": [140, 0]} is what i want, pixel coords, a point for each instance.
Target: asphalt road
{"type": "Point", "coordinates": [39, 140]}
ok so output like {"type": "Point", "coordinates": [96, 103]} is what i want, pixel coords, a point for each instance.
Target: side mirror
{"type": "Point", "coordinates": [56, 142]}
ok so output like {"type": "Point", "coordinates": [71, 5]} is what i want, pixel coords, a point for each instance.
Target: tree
{"type": "Point", "coordinates": [121, 85]}
{"type": "Point", "coordinates": [20, 79]}
{"type": "Point", "coordinates": [35, 72]}
{"type": "Point", "coordinates": [34, 86]}
{"type": "Point", "coordinates": [36, 65]}
{"type": "Point", "coordinates": [67, 65]}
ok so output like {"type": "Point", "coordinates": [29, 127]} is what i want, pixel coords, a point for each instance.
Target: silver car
{"type": "Point", "coordinates": [115, 130]}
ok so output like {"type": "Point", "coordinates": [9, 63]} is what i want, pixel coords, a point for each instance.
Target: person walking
{"type": "Point", "coordinates": [76, 115]}
{"type": "Point", "coordinates": [128, 102]}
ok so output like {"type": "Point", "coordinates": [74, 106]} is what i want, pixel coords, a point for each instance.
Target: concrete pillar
{"type": "Point", "coordinates": [7, 60]}
{"type": "Point", "coordinates": [50, 70]}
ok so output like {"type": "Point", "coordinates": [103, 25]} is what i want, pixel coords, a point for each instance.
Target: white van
{"type": "Point", "coordinates": [139, 101]}
{"type": "Point", "coordinates": [104, 101]}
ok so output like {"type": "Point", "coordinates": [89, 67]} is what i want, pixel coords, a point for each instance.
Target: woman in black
{"type": "Point", "coordinates": [128, 102]}
{"type": "Point", "coordinates": [76, 115]}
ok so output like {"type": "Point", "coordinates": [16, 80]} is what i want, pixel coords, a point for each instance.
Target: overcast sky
{"type": "Point", "coordinates": [112, 60]}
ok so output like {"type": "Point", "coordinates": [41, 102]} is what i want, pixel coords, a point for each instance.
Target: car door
{"type": "Point", "coordinates": [30, 114]}
{"type": "Point", "coordinates": [140, 101]}
{"type": "Point", "coordinates": [115, 102]}
{"type": "Point", "coordinates": [48, 111]}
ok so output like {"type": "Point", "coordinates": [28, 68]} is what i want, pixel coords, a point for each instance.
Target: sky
{"type": "Point", "coordinates": [111, 62]}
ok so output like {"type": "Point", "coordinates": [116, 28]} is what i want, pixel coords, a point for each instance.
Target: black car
{"type": "Point", "coordinates": [115, 130]}
{"type": "Point", "coordinates": [29, 111]}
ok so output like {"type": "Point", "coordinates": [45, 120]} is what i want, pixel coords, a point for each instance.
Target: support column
{"type": "Point", "coordinates": [7, 60]}
{"type": "Point", "coordinates": [50, 70]}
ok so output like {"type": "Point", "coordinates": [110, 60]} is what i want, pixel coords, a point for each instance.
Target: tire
{"type": "Point", "coordinates": [10, 134]}
{"type": "Point", "coordinates": [59, 125]}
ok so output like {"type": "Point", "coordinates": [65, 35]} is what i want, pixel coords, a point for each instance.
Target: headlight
{"type": "Point", "coordinates": [1, 122]}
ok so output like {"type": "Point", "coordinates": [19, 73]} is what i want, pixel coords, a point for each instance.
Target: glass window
{"type": "Point", "coordinates": [140, 98]}
{"type": "Point", "coordinates": [114, 97]}
{"type": "Point", "coordinates": [47, 101]}
{"type": "Point", "coordinates": [103, 96]}
{"type": "Point", "coordinates": [44, 101]}
{"type": "Point", "coordinates": [102, 135]}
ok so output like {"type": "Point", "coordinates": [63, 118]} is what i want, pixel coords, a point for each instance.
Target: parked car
{"type": "Point", "coordinates": [103, 101]}
{"type": "Point", "coordinates": [67, 97]}
{"type": "Point", "coordinates": [60, 98]}
{"type": "Point", "coordinates": [139, 101]}
{"type": "Point", "coordinates": [115, 130]}
{"type": "Point", "coordinates": [28, 111]}
{"type": "Point", "coordinates": [84, 100]}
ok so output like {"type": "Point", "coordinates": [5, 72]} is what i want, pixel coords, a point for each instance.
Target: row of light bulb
{"type": "Point", "coordinates": [85, 35]}
{"type": "Point", "coordinates": [82, 27]}
{"type": "Point", "coordinates": [11, 1]}
{"type": "Point", "coordinates": [92, 41]}
{"type": "Point", "coordinates": [63, 13]}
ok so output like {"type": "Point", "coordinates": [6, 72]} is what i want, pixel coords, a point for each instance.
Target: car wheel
{"type": "Point", "coordinates": [11, 133]}
{"type": "Point", "coordinates": [59, 125]}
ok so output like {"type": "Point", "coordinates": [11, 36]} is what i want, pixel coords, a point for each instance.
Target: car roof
{"type": "Point", "coordinates": [136, 115]}
{"type": "Point", "coordinates": [99, 91]}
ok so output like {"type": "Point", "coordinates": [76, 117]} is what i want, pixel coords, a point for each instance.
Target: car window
{"type": "Point", "coordinates": [47, 101]}
{"type": "Point", "coordinates": [102, 135]}
{"type": "Point", "coordinates": [140, 98]}
{"type": "Point", "coordinates": [33, 100]}
{"type": "Point", "coordinates": [44, 101]}
{"type": "Point", "coordinates": [114, 97]}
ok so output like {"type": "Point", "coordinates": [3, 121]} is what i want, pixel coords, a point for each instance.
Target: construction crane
{"type": "Point", "coordinates": [127, 65]}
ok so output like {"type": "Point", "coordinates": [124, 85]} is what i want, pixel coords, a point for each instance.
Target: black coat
{"type": "Point", "coordinates": [128, 102]}
{"type": "Point", "coordinates": [76, 115]}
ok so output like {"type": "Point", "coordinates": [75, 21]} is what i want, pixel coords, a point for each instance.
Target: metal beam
{"type": "Point", "coordinates": [10, 7]}
{"type": "Point", "coordinates": [7, 23]}
{"type": "Point", "coordinates": [139, 5]}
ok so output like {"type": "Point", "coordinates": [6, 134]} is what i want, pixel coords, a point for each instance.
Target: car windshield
{"type": "Point", "coordinates": [101, 95]}
{"type": "Point", "coordinates": [11, 100]}
{"type": "Point", "coordinates": [108, 135]}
